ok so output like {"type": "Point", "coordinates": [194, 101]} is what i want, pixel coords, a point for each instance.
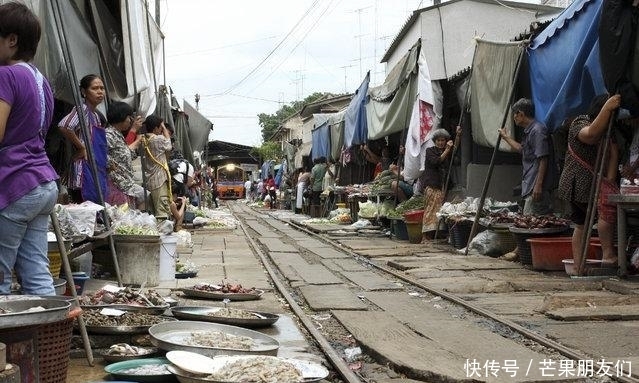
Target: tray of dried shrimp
{"type": "Point", "coordinates": [254, 368]}
{"type": "Point", "coordinates": [131, 322]}
{"type": "Point", "coordinates": [233, 292]}
{"type": "Point", "coordinates": [232, 316]}
{"type": "Point", "coordinates": [211, 339]}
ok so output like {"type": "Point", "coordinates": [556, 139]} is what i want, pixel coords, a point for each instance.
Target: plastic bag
{"type": "Point", "coordinates": [634, 260]}
{"type": "Point", "coordinates": [360, 224]}
{"type": "Point", "coordinates": [166, 227]}
{"type": "Point", "coordinates": [488, 243]}
{"type": "Point", "coordinates": [133, 222]}
{"type": "Point", "coordinates": [83, 216]}
{"type": "Point", "coordinates": [368, 209]}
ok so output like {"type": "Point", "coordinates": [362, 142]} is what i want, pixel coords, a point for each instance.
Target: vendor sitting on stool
{"type": "Point", "coordinates": [384, 162]}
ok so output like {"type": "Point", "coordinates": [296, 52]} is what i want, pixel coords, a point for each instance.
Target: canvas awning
{"type": "Point", "coordinates": [355, 123]}
{"type": "Point", "coordinates": [494, 67]}
{"type": "Point", "coordinates": [336, 123]}
{"type": "Point", "coordinates": [302, 151]}
{"type": "Point", "coordinates": [390, 104]}
{"type": "Point", "coordinates": [199, 127]}
{"type": "Point", "coordinates": [130, 49]}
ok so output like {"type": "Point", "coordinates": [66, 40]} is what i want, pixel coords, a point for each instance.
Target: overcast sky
{"type": "Point", "coordinates": [246, 57]}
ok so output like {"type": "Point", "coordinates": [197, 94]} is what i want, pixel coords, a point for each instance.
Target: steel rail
{"type": "Point", "coordinates": [332, 355]}
{"type": "Point", "coordinates": [563, 350]}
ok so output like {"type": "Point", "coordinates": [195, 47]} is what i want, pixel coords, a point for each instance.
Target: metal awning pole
{"type": "Point", "coordinates": [600, 163]}
{"type": "Point", "coordinates": [452, 155]}
{"type": "Point", "coordinates": [66, 265]}
{"type": "Point", "coordinates": [57, 13]}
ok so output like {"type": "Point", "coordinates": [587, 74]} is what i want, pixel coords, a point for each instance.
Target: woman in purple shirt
{"type": "Point", "coordinates": [29, 191]}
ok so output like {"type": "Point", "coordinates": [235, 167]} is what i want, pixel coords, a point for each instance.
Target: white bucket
{"type": "Point", "coordinates": [168, 250]}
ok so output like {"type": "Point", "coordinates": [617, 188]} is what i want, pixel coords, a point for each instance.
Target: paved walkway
{"type": "Point", "coordinates": [412, 330]}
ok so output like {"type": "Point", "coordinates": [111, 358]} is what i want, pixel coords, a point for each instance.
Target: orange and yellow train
{"type": "Point", "coordinates": [230, 181]}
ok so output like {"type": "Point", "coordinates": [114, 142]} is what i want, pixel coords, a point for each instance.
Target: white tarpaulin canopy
{"type": "Point", "coordinates": [125, 53]}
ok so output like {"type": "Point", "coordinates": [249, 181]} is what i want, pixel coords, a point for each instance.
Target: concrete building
{"type": "Point", "coordinates": [447, 32]}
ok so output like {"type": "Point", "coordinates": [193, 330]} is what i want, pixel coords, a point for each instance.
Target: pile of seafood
{"type": "Point", "coordinates": [503, 217]}
{"type": "Point", "coordinates": [233, 313]}
{"type": "Point", "coordinates": [149, 369]}
{"type": "Point", "coordinates": [525, 221]}
{"type": "Point", "coordinates": [259, 370]}
{"type": "Point", "coordinates": [125, 349]}
{"type": "Point", "coordinates": [125, 296]}
{"type": "Point", "coordinates": [225, 288]}
{"type": "Point", "coordinates": [539, 222]}
{"type": "Point", "coordinates": [93, 317]}
{"type": "Point", "coordinates": [30, 310]}
{"type": "Point", "coordinates": [219, 339]}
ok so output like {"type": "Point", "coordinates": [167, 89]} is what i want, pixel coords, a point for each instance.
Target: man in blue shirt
{"type": "Point", "coordinates": [537, 157]}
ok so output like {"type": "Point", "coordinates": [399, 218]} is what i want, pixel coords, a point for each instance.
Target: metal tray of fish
{"type": "Point", "coordinates": [29, 312]}
{"type": "Point", "coordinates": [191, 274]}
{"type": "Point", "coordinates": [208, 314]}
{"type": "Point", "coordinates": [170, 336]}
{"type": "Point", "coordinates": [310, 371]}
{"type": "Point", "coordinates": [152, 310]}
{"type": "Point", "coordinates": [216, 295]}
{"type": "Point", "coordinates": [143, 352]}
{"type": "Point", "coordinates": [545, 230]}
{"type": "Point", "coordinates": [156, 371]}
{"type": "Point", "coordinates": [122, 329]}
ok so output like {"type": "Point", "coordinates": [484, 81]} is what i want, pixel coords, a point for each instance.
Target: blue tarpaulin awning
{"type": "Point", "coordinates": [355, 123]}
{"type": "Point", "coordinates": [321, 141]}
{"type": "Point", "coordinates": [565, 72]}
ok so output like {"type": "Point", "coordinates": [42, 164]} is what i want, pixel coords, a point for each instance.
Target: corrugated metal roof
{"type": "Point", "coordinates": [543, 9]}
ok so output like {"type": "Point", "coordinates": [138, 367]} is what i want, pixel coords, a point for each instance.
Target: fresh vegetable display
{"type": "Point", "coordinates": [185, 267]}
{"type": "Point", "coordinates": [415, 202]}
{"type": "Point", "coordinates": [383, 181]}
{"type": "Point", "coordinates": [342, 219]}
{"type": "Point", "coordinates": [135, 230]}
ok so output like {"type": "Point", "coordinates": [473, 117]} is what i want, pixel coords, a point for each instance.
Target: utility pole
{"type": "Point", "coordinates": [345, 84]}
{"type": "Point", "coordinates": [384, 39]}
{"type": "Point", "coordinates": [299, 84]}
{"type": "Point", "coordinates": [157, 12]}
{"type": "Point", "coordinates": [359, 18]}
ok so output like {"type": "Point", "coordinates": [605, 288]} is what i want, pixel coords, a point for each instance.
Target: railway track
{"type": "Point", "coordinates": [329, 332]}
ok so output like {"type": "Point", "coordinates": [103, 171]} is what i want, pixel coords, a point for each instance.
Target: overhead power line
{"type": "Point", "coordinates": [313, 26]}
{"type": "Point", "coordinates": [221, 47]}
{"type": "Point", "coordinates": [259, 65]}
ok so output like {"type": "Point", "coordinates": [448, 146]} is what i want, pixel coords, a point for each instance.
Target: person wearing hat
{"type": "Point", "coordinates": [432, 179]}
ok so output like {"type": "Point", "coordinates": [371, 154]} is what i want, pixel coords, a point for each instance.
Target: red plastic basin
{"type": "Point", "coordinates": [414, 216]}
{"type": "Point", "coordinates": [548, 252]}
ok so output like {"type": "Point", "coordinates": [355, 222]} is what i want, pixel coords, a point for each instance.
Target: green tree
{"type": "Point", "coordinates": [271, 122]}
{"type": "Point", "coordinates": [268, 151]}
